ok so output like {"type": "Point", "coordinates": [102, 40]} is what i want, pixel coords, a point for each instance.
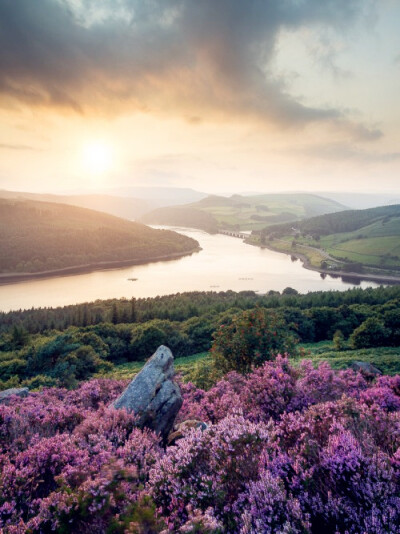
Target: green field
{"type": "Point", "coordinates": [256, 212]}
{"type": "Point", "coordinates": [245, 212]}
{"type": "Point", "coordinates": [373, 239]}
{"type": "Point", "coordinates": [386, 359]}
{"type": "Point", "coordinates": [127, 371]}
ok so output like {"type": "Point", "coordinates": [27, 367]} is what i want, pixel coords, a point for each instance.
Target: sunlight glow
{"type": "Point", "coordinates": [98, 157]}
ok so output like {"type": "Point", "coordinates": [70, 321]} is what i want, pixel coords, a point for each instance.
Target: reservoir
{"type": "Point", "coordinates": [223, 263]}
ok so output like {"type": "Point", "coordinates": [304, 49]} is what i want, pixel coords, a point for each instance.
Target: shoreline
{"type": "Point", "coordinates": [10, 278]}
{"type": "Point", "coordinates": [388, 279]}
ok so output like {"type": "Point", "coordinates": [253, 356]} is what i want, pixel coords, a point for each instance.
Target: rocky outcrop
{"type": "Point", "coordinates": [5, 396]}
{"type": "Point", "coordinates": [368, 370]}
{"type": "Point", "coordinates": [153, 395]}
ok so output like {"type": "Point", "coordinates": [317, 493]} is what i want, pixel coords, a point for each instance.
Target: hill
{"type": "Point", "coordinates": [348, 221]}
{"type": "Point", "coordinates": [350, 240]}
{"type": "Point", "coordinates": [128, 208]}
{"type": "Point", "coordinates": [161, 196]}
{"type": "Point", "coordinates": [361, 200]}
{"type": "Point", "coordinates": [43, 236]}
{"type": "Point", "coordinates": [248, 212]}
{"type": "Point", "coordinates": [182, 216]}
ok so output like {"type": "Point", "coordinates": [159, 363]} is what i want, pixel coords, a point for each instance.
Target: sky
{"type": "Point", "coordinates": [223, 96]}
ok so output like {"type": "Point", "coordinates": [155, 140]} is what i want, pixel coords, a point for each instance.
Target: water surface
{"type": "Point", "coordinates": [224, 263]}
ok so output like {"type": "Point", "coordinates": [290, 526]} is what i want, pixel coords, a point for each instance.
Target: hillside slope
{"type": "Point", "coordinates": [126, 207]}
{"type": "Point", "coordinates": [347, 221]}
{"type": "Point", "coordinates": [247, 212]}
{"type": "Point", "coordinates": [41, 236]}
{"type": "Point", "coordinates": [182, 216]}
{"type": "Point", "coordinates": [369, 238]}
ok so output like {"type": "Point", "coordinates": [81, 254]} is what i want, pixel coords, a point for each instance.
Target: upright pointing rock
{"type": "Point", "coordinates": [153, 395]}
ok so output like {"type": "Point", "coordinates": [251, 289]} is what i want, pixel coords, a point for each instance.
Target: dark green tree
{"type": "Point", "coordinates": [371, 333]}
{"type": "Point", "coordinates": [253, 337]}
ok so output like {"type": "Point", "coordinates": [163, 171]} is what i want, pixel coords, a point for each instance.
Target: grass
{"type": "Point", "coordinates": [127, 371]}
{"type": "Point", "coordinates": [369, 251]}
{"type": "Point", "coordinates": [375, 252]}
{"type": "Point", "coordinates": [238, 211]}
{"type": "Point", "coordinates": [376, 246]}
{"type": "Point", "coordinates": [315, 257]}
{"type": "Point", "coordinates": [386, 359]}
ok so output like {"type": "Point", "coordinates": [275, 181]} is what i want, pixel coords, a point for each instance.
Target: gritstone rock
{"type": "Point", "coordinates": [366, 369]}
{"type": "Point", "coordinates": [7, 393]}
{"type": "Point", "coordinates": [153, 395]}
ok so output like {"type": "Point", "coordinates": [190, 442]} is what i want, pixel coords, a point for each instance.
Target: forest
{"type": "Point", "coordinates": [62, 346]}
{"type": "Point", "coordinates": [41, 236]}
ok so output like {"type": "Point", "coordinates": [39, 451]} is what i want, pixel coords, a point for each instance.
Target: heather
{"type": "Point", "coordinates": [288, 449]}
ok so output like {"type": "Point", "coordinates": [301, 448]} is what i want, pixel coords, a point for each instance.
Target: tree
{"type": "Point", "coordinates": [290, 291]}
{"type": "Point", "coordinates": [19, 337]}
{"type": "Point", "coordinates": [371, 333]}
{"type": "Point", "coordinates": [338, 340]}
{"type": "Point", "coordinates": [133, 317]}
{"type": "Point", "coordinates": [114, 313]}
{"type": "Point", "coordinates": [253, 337]}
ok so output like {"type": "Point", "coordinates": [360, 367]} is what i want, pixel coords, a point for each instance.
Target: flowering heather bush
{"type": "Point", "coordinates": [287, 450]}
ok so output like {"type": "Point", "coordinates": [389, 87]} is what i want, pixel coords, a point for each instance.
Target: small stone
{"type": "Point", "coordinates": [5, 396]}
{"type": "Point", "coordinates": [153, 395]}
{"type": "Point", "coordinates": [183, 428]}
{"type": "Point", "coordinates": [367, 369]}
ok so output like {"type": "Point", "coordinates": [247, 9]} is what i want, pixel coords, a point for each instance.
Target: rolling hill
{"type": "Point", "coordinates": [126, 207]}
{"type": "Point", "coordinates": [160, 196]}
{"type": "Point", "coordinates": [42, 236]}
{"type": "Point", "coordinates": [360, 238]}
{"type": "Point", "coordinates": [182, 216]}
{"type": "Point", "coordinates": [128, 203]}
{"type": "Point", "coordinates": [240, 212]}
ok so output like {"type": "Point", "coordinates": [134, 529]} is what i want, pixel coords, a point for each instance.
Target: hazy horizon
{"type": "Point", "coordinates": [220, 97]}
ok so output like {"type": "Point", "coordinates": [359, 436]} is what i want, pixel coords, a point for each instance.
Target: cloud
{"type": "Point", "coordinates": [5, 146]}
{"type": "Point", "coordinates": [208, 59]}
{"type": "Point", "coordinates": [343, 152]}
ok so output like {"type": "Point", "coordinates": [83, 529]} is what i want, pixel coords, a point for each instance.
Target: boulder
{"type": "Point", "coordinates": [183, 428]}
{"type": "Point", "coordinates": [367, 369]}
{"type": "Point", "coordinates": [6, 395]}
{"type": "Point", "coordinates": [153, 395]}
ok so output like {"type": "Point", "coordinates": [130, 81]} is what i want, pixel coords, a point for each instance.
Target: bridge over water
{"type": "Point", "coordinates": [234, 233]}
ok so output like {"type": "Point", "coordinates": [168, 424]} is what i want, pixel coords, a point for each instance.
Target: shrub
{"type": "Point", "coordinates": [287, 449]}
{"type": "Point", "coordinates": [253, 337]}
{"type": "Point", "coordinates": [371, 333]}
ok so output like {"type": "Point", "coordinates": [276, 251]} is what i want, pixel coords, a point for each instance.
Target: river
{"type": "Point", "coordinates": [224, 263]}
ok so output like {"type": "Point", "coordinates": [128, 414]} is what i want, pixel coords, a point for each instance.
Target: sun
{"type": "Point", "coordinates": [98, 157]}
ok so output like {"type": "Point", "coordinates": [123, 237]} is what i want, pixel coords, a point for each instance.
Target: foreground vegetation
{"type": "Point", "coordinates": [287, 449]}
{"type": "Point", "coordinates": [42, 236]}
{"type": "Point", "coordinates": [290, 444]}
